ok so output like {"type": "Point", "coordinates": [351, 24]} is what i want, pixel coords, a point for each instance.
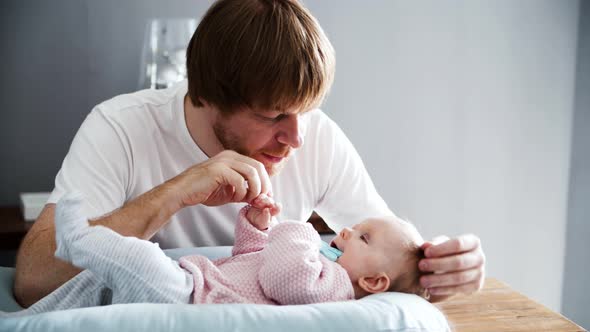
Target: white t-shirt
{"type": "Point", "coordinates": [132, 143]}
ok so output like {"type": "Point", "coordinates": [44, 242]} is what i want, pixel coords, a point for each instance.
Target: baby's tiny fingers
{"type": "Point", "coordinates": [276, 209]}
{"type": "Point", "coordinates": [263, 219]}
{"type": "Point", "coordinates": [262, 201]}
{"type": "Point", "coordinates": [252, 213]}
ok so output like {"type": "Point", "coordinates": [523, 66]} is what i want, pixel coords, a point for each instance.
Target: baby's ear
{"type": "Point", "coordinates": [375, 284]}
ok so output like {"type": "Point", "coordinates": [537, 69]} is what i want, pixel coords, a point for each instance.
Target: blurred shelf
{"type": "Point", "coordinates": [318, 223]}
{"type": "Point", "coordinates": [13, 227]}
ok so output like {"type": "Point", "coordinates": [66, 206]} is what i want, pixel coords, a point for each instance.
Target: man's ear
{"type": "Point", "coordinates": [203, 102]}
{"type": "Point", "coordinates": [375, 284]}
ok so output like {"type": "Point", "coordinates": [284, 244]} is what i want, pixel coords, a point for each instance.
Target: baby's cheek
{"type": "Point", "coordinates": [350, 267]}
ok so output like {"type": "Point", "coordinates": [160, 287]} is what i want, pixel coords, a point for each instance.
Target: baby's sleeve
{"type": "Point", "coordinates": [247, 237]}
{"type": "Point", "coordinates": [293, 271]}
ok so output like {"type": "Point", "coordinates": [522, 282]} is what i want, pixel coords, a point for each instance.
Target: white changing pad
{"type": "Point", "coordinates": [380, 312]}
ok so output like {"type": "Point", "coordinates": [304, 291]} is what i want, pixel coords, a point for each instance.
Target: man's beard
{"type": "Point", "coordinates": [230, 141]}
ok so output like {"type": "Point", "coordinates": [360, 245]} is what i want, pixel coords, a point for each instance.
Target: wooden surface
{"type": "Point", "coordinates": [499, 308]}
{"type": "Point", "coordinates": [13, 227]}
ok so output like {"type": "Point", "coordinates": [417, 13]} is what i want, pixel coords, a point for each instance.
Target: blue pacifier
{"type": "Point", "coordinates": [329, 252]}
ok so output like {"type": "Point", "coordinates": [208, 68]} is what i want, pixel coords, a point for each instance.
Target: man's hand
{"type": "Point", "coordinates": [261, 210]}
{"type": "Point", "coordinates": [225, 178]}
{"type": "Point", "coordinates": [458, 265]}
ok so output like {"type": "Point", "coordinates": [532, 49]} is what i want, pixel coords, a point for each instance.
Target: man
{"type": "Point", "coordinates": [170, 165]}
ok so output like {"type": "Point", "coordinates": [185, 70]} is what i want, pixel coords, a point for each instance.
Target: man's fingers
{"type": "Point", "coordinates": [426, 245]}
{"type": "Point", "coordinates": [451, 279]}
{"type": "Point", "coordinates": [451, 290]}
{"type": "Point", "coordinates": [249, 174]}
{"type": "Point", "coordinates": [460, 262]}
{"type": "Point", "coordinates": [460, 244]}
{"type": "Point", "coordinates": [265, 184]}
{"type": "Point", "coordinates": [236, 180]}
{"type": "Point", "coordinates": [440, 239]}
{"type": "Point", "coordinates": [457, 264]}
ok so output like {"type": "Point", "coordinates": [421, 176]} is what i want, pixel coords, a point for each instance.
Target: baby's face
{"type": "Point", "coordinates": [375, 245]}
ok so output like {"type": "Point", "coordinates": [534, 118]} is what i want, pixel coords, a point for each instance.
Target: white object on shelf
{"type": "Point", "coordinates": [31, 204]}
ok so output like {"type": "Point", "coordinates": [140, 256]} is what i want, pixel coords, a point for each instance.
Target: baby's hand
{"type": "Point", "coordinates": [261, 210]}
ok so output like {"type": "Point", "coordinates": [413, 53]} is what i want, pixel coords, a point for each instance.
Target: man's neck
{"type": "Point", "coordinates": [199, 121]}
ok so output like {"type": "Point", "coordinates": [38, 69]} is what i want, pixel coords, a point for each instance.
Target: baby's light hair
{"type": "Point", "coordinates": [409, 280]}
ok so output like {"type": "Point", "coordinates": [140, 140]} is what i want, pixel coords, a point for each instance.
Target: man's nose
{"type": "Point", "coordinates": [290, 132]}
{"type": "Point", "coordinates": [345, 233]}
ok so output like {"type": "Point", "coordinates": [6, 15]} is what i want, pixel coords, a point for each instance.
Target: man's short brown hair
{"type": "Point", "coordinates": [262, 54]}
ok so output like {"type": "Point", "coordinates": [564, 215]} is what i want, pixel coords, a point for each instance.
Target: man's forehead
{"type": "Point", "coordinates": [290, 110]}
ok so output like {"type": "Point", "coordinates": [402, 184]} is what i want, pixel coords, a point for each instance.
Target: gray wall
{"type": "Point", "coordinates": [474, 98]}
{"type": "Point", "coordinates": [44, 94]}
{"type": "Point", "coordinates": [59, 59]}
{"type": "Point", "coordinates": [576, 289]}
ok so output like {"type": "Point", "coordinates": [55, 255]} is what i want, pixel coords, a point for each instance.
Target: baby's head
{"type": "Point", "coordinates": [381, 255]}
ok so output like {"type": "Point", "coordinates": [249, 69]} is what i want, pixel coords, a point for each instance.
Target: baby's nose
{"type": "Point", "coordinates": [345, 233]}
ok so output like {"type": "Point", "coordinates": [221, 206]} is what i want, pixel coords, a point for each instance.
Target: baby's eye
{"type": "Point", "coordinates": [365, 238]}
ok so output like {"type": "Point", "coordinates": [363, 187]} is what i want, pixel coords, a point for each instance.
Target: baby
{"type": "Point", "coordinates": [271, 263]}
{"type": "Point", "coordinates": [378, 254]}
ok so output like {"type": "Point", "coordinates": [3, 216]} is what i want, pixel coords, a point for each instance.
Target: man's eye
{"type": "Point", "coordinates": [273, 119]}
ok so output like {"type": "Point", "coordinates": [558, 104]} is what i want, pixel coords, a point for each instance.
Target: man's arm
{"type": "Point", "coordinates": [38, 272]}
{"type": "Point", "coordinates": [217, 181]}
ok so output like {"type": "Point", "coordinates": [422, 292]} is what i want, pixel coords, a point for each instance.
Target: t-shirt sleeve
{"type": "Point", "coordinates": [347, 193]}
{"type": "Point", "coordinates": [97, 165]}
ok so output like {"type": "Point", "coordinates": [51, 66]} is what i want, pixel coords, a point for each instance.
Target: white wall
{"type": "Point", "coordinates": [462, 111]}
